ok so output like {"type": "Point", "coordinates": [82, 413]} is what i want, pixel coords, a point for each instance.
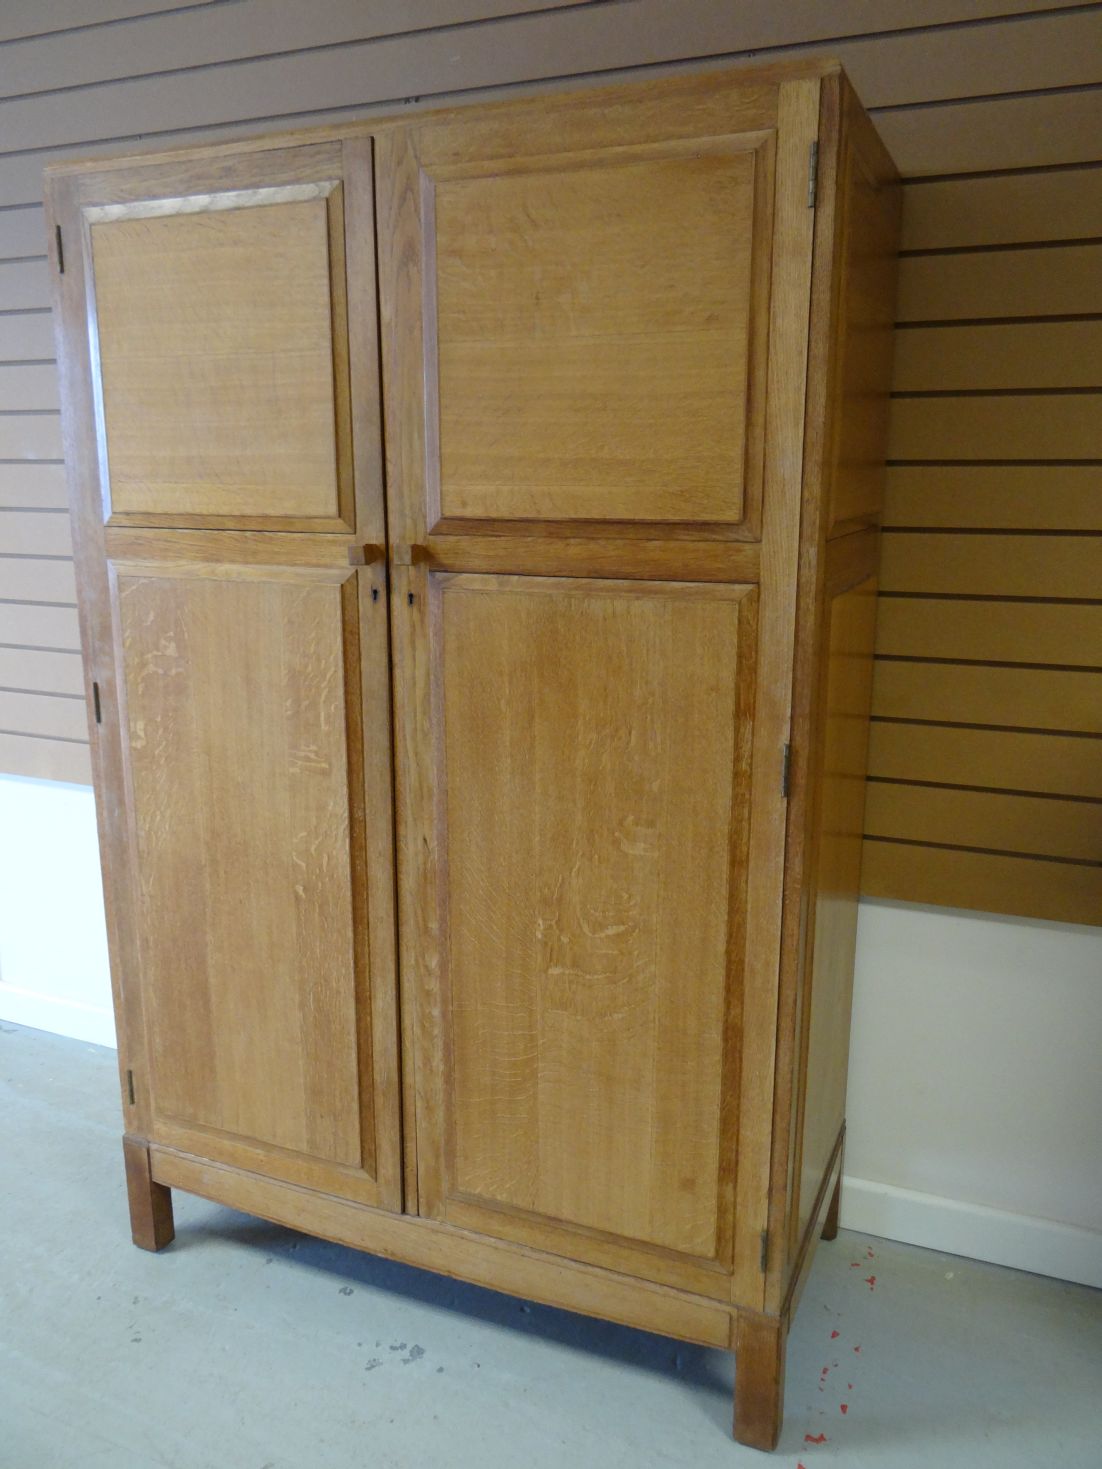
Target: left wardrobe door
{"type": "Point", "coordinates": [217, 335]}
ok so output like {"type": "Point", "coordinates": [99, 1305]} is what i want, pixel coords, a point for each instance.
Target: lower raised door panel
{"type": "Point", "coordinates": [591, 773]}
{"type": "Point", "coordinates": [243, 745]}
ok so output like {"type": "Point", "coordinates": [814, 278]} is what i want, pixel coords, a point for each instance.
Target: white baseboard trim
{"type": "Point", "coordinates": [74, 1018]}
{"type": "Point", "coordinates": [1022, 1241]}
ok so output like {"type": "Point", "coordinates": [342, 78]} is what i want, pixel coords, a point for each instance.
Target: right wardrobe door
{"type": "Point", "coordinates": [578, 339]}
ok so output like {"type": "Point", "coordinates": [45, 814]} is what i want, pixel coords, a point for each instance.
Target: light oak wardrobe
{"type": "Point", "coordinates": [476, 526]}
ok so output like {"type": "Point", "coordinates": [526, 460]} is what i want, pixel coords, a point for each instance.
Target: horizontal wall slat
{"type": "Point", "coordinates": [1021, 427]}
{"type": "Point", "coordinates": [24, 284]}
{"type": "Point", "coordinates": [36, 581]}
{"type": "Point", "coordinates": [991, 632]}
{"type": "Point", "coordinates": [1031, 698]}
{"type": "Point", "coordinates": [1005, 210]}
{"type": "Point", "coordinates": [45, 759]}
{"type": "Point", "coordinates": [33, 626]}
{"type": "Point", "coordinates": [31, 668]}
{"type": "Point", "coordinates": [35, 533]}
{"type": "Point", "coordinates": [1053, 764]}
{"type": "Point", "coordinates": [37, 486]}
{"type": "Point", "coordinates": [1020, 132]}
{"type": "Point", "coordinates": [43, 714]}
{"type": "Point", "coordinates": [188, 38]}
{"type": "Point", "coordinates": [888, 70]}
{"type": "Point", "coordinates": [1025, 887]}
{"type": "Point", "coordinates": [1060, 280]}
{"type": "Point", "coordinates": [1004, 132]}
{"type": "Point", "coordinates": [1035, 826]}
{"type": "Point", "coordinates": [991, 566]}
{"type": "Point", "coordinates": [22, 232]}
{"type": "Point", "coordinates": [37, 17]}
{"type": "Point", "coordinates": [995, 496]}
{"type": "Point", "coordinates": [1039, 354]}
{"type": "Point", "coordinates": [28, 387]}
{"type": "Point", "coordinates": [1017, 54]}
{"type": "Point", "coordinates": [30, 436]}
{"type": "Point", "coordinates": [26, 337]}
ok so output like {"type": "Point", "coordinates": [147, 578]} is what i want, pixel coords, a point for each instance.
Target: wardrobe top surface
{"type": "Point", "coordinates": [639, 85]}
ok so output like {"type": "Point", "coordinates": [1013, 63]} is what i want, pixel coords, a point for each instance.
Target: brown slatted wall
{"type": "Point", "coordinates": [987, 696]}
{"type": "Point", "coordinates": [986, 759]}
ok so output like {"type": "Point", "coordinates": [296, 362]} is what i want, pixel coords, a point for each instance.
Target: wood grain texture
{"type": "Point", "coordinates": [759, 1380]}
{"type": "Point", "coordinates": [151, 1225]}
{"type": "Point", "coordinates": [432, 1245]}
{"type": "Point", "coordinates": [590, 744]}
{"type": "Point", "coordinates": [791, 303]}
{"type": "Point", "coordinates": [819, 956]}
{"type": "Point", "coordinates": [232, 687]}
{"type": "Point", "coordinates": [613, 295]}
{"type": "Point", "coordinates": [869, 212]}
{"type": "Point", "coordinates": [905, 68]}
{"type": "Point", "coordinates": [217, 361]}
{"type": "Point", "coordinates": [832, 931]}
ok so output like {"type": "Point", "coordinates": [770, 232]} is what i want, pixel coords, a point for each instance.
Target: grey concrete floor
{"type": "Point", "coordinates": [246, 1346]}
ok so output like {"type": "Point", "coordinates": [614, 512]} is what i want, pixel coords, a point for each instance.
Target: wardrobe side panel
{"type": "Point", "coordinates": [842, 563]}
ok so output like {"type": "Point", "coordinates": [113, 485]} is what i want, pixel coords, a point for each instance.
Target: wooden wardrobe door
{"type": "Point", "coordinates": [580, 345]}
{"type": "Point", "coordinates": [243, 761]}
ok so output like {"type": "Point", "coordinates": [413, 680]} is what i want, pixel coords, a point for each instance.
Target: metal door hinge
{"type": "Point", "coordinates": [130, 1086]}
{"type": "Point", "coordinates": [786, 770]}
{"type": "Point", "coordinates": [764, 1257]}
{"type": "Point", "coordinates": [60, 250]}
{"type": "Point", "coordinates": [97, 708]}
{"type": "Point", "coordinates": [812, 174]}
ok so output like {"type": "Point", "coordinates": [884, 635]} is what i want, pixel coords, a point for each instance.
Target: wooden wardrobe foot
{"type": "Point", "coordinates": [830, 1223]}
{"type": "Point", "coordinates": [759, 1380]}
{"type": "Point", "coordinates": [150, 1203]}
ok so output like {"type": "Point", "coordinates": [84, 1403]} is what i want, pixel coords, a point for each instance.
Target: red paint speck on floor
{"type": "Point", "coordinates": [850, 1386]}
{"type": "Point", "coordinates": [855, 1264]}
{"type": "Point", "coordinates": [844, 1407]}
{"type": "Point", "coordinates": [871, 1254]}
{"type": "Point", "coordinates": [818, 1438]}
{"type": "Point", "coordinates": [857, 1349]}
{"type": "Point", "coordinates": [834, 1335]}
{"type": "Point", "coordinates": [870, 1281]}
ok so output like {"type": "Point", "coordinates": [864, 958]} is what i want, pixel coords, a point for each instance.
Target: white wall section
{"type": "Point", "coordinates": [975, 1087]}
{"type": "Point", "coordinates": [53, 941]}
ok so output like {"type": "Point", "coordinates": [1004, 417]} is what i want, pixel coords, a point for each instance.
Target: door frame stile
{"type": "Point", "coordinates": [797, 128]}
{"type": "Point", "coordinates": [81, 454]}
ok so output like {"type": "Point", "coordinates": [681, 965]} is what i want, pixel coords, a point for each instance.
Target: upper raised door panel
{"type": "Point", "coordinates": [593, 324]}
{"type": "Point", "coordinates": [593, 320]}
{"type": "Point", "coordinates": [220, 353]}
